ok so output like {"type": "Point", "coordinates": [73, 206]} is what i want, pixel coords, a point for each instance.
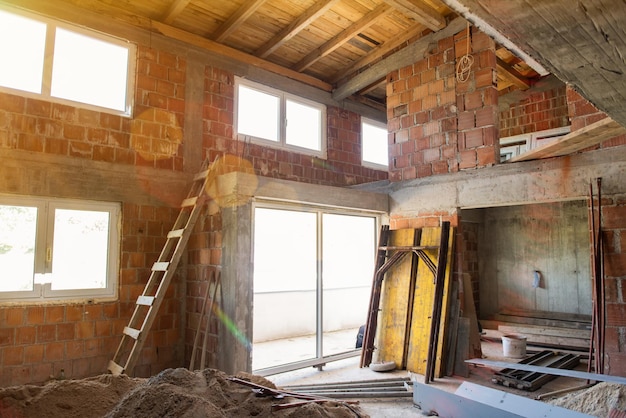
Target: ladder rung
{"type": "Point", "coordinates": [115, 368]}
{"type": "Point", "coordinates": [190, 201]}
{"type": "Point", "coordinates": [176, 233]}
{"type": "Point", "coordinates": [201, 175]}
{"type": "Point", "coordinates": [160, 266]}
{"type": "Point", "coordinates": [145, 300]}
{"type": "Point", "coordinates": [132, 332]}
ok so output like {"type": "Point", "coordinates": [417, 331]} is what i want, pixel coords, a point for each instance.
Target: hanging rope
{"type": "Point", "coordinates": [464, 66]}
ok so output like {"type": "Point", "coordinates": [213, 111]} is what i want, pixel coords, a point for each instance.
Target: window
{"type": "Point", "coordinates": [65, 63]}
{"type": "Point", "coordinates": [375, 151]}
{"type": "Point", "coordinates": [319, 283]}
{"type": "Point", "coordinates": [512, 146]}
{"type": "Point", "coordinates": [57, 249]}
{"type": "Point", "coordinates": [272, 117]}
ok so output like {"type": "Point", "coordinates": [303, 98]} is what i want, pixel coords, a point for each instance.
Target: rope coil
{"type": "Point", "coordinates": [464, 66]}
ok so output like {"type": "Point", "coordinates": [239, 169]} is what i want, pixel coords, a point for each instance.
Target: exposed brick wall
{"type": "Point", "coordinates": [342, 167]}
{"type": "Point", "coordinates": [438, 125]}
{"type": "Point", "coordinates": [614, 235]}
{"type": "Point", "coordinates": [152, 138]}
{"type": "Point", "coordinates": [538, 112]}
{"type": "Point", "coordinates": [583, 113]}
{"type": "Point", "coordinates": [36, 341]}
{"type": "Point", "coordinates": [477, 103]}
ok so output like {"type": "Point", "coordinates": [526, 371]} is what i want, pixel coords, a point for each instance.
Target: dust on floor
{"type": "Point", "coordinates": [182, 393]}
{"type": "Point", "coordinates": [172, 393]}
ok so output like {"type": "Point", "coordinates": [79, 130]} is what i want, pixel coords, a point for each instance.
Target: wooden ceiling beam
{"type": "Point", "coordinates": [174, 10]}
{"type": "Point", "coordinates": [343, 37]}
{"type": "Point", "coordinates": [291, 30]}
{"type": "Point", "coordinates": [512, 75]}
{"type": "Point", "coordinates": [406, 56]}
{"type": "Point", "coordinates": [236, 19]}
{"type": "Point", "coordinates": [377, 53]}
{"type": "Point", "coordinates": [575, 141]}
{"type": "Point", "coordinates": [373, 86]}
{"type": "Point", "coordinates": [420, 12]}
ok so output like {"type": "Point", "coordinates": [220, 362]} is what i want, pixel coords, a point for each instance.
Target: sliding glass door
{"type": "Point", "coordinates": [312, 280]}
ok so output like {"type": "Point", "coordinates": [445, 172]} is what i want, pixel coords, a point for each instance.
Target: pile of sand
{"type": "Point", "coordinates": [596, 401]}
{"type": "Point", "coordinates": [171, 393]}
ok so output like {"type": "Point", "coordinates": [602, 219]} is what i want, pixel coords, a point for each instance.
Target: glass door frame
{"type": "Point", "coordinates": [319, 360]}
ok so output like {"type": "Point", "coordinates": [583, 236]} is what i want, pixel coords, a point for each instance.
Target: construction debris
{"type": "Point", "coordinates": [176, 393]}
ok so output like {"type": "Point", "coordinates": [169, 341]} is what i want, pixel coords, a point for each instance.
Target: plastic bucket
{"type": "Point", "coordinates": [514, 346]}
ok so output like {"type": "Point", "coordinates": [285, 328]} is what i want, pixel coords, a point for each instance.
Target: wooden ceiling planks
{"type": "Point", "coordinates": [328, 40]}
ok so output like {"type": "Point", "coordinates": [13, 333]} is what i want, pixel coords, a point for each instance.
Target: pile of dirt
{"type": "Point", "coordinates": [172, 393]}
{"type": "Point", "coordinates": [597, 401]}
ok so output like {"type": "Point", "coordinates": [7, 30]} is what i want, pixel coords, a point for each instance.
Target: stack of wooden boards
{"type": "Point", "coordinates": [415, 313]}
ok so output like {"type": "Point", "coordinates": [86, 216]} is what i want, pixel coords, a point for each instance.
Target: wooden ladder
{"type": "Point", "coordinates": [148, 303]}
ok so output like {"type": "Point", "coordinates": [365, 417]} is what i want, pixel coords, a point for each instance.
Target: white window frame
{"type": "Point", "coordinates": [370, 164]}
{"type": "Point", "coordinates": [282, 122]}
{"type": "Point", "coordinates": [42, 290]}
{"type": "Point", "coordinates": [512, 146]}
{"type": "Point", "coordinates": [45, 93]}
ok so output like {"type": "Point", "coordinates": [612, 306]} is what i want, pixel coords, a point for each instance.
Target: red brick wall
{"type": "Point", "coordinates": [583, 113]}
{"type": "Point", "coordinates": [614, 231]}
{"type": "Point", "coordinates": [537, 112]}
{"type": "Point", "coordinates": [37, 341]}
{"type": "Point", "coordinates": [438, 125]}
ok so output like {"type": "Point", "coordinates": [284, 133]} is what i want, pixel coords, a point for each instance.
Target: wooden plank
{"type": "Point", "coordinates": [145, 300]}
{"type": "Point", "coordinates": [542, 321]}
{"type": "Point", "coordinates": [393, 306]}
{"type": "Point", "coordinates": [174, 10]}
{"type": "Point", "coordinates": [512, 75]}
{"type": "Point", "coordinates": [132, 332]}
{"type": "Point", "coordinates": [343, 37]}
{"type": "Point", "coordinates": [453, 328]}
{"type": "Point", "coordinates": [417, 355]}
{"type": "Point", "coordinates": [547, 331]}
{"type": "Point", "coordinates": [402, 58]}
{"type": "Point", "coordinates": [421, 12]}
{"type": "Point", "coordinates": [115, 368]}
{"type": "Point", "coordinates": [469, 311]}
{"type": "Point", "coordinates": [559, 316]}
{"type": "Point", "coordinates": [378, 52]}
{"type": "Point", "coordinates": [236, 19]}
{"type": "Point", "coordinates": [462, 348]}
{"type": "Point", "coordinates": [549, 370]}
{"type": "Point", "coordinates": [575, 141]}
{"type": "Point", "coordinates": [291, 30]}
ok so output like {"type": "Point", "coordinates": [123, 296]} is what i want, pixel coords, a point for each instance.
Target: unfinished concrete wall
{"type": "Point", "coordinates": [551, 238]}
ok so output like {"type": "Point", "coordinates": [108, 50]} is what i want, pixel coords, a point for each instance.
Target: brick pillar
{"type": "Point", "coordinates": [477, 103]}
{"type": "Point", "coordinates": [436, 124]}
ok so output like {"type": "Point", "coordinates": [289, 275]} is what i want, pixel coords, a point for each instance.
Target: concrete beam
{"type": "Point", "coordinates": [549, 180]}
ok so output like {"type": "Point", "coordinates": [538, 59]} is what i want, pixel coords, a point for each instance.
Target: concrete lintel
{"type": "Point", "coordinates": [238, 187]}
{"type": "Point", "coordinates": [540, 181]}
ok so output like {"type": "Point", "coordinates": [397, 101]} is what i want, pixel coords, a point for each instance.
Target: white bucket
{"type": "Point", "coordinates": [514, 346]}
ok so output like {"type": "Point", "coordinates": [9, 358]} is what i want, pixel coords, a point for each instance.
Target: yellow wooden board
{"type": "Point", "coordinates": [394, 304]}
{"type": "Point", "coordinates": [392, 333]}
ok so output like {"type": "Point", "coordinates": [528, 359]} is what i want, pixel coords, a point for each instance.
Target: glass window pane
{"type": "Point", "coordinates": [375, 149]}
{"type": "Point", "coordinates": [303, 126]}
{"type": "Point", "coordinates": [80, 249]}
{"type": "Point", "coordinates": [348, 253]}
{"type": "Point", "coordinates": [17, 247]}
{"type": "Point", "coordinates": [285, 286]}
{"type": "Point", "coordinates": [89, 70]}
{"type": "Point", "coordinates": [257, 114]}
{"type": "Point", "coordinates": [22, 45]}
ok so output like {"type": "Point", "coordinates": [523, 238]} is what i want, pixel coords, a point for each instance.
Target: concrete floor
{"type": "Point", "coordinates": [348, 370]}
